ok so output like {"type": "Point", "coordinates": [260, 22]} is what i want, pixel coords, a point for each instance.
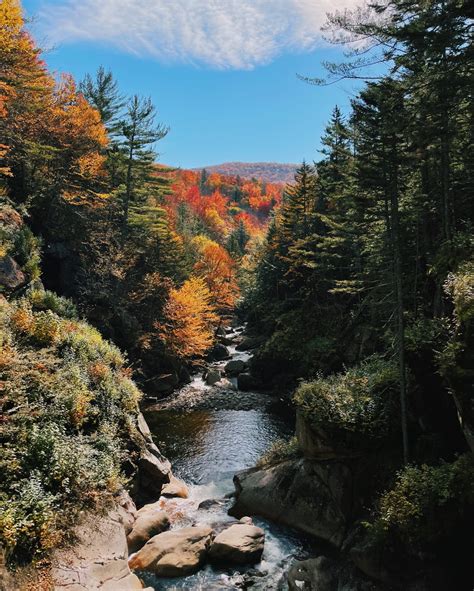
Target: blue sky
{"type": "Point", "coordinates": [223, 79]}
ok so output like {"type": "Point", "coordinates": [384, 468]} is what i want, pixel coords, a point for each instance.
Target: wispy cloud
{"type": "Point", "coordinates": [237, 34]}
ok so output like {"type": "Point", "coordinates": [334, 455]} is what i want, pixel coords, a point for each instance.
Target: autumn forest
{"type": "Point", "coordinates": [142, 304]}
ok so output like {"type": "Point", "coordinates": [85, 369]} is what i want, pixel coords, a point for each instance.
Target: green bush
{"type": "Point", "coordinates": [47, 300]}
{"type": "Point", "coordinates": [279, 451]}
{"type": "Point", "coordinates": [427, 503]}
{"type": "Point", "coordinates": [362, 399]}
{"type": "Point", "coordinates": [71, 407]}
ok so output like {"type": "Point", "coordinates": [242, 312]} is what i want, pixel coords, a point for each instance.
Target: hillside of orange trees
{"type": "Point", "coordinates": [154, 257]}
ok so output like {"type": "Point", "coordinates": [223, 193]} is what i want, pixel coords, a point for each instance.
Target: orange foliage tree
{"type": "Point", "coordinates": [217, 268]}
{"type": "Point", "coordinates": [188, 319]}
{"type": "Point", "coordinates": [49, 133]}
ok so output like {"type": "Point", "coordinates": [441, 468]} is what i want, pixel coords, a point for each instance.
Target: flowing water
{"type": "Point", "coordinates": [206, 448]}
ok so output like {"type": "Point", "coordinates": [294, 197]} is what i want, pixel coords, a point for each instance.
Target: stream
{"type": "Point", "coordinates": [209, 433]}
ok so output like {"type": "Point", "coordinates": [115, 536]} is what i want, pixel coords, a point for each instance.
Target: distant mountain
{"type": "Point", "coordinates": [270, 172]}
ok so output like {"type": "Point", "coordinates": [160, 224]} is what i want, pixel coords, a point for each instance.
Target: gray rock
{"type": "Point", "coordinates": [174, 553]}
{"type": "Point", "coordinates": [11, 276]}
{"type": "Point", "coordinates": [213, 376]}
{"type": "Point", "coordinates": [239, 544]}
{"type": "Point", "coordinates": [153, 472]}
{"type": "Point", "coordinates": [234, 367]}
{"type": "Point", "coordinates": [219, 352]}
{"type": "Point", "coordinates": [97, 561]}
{"type": "Point", "coordinates": [315, 574]}
{"type": "Point", "coordinates": [249, 343]}
{"type": "Point", "coordinates": [314, 497]}
{"type": "Point", "coordinates": [165, 382]}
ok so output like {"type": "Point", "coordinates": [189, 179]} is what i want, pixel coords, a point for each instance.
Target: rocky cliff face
{"type": "Point", "coordinates": [325, 493]}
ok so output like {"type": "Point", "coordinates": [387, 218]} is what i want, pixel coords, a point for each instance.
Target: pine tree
{"type": "Point", "coordinates": [138, 134]}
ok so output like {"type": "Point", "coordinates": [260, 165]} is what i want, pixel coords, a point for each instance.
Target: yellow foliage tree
{"type": "Point", "coordinates": [188, 319]}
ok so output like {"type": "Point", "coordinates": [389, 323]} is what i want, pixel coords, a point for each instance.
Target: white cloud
{"type": "Point", "coordinates": [237, 34]}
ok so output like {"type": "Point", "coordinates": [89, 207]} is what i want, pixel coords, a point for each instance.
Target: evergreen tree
{"type": "Point", "coordinates": [138, 134]}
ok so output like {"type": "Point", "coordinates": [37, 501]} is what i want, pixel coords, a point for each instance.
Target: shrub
{"type": "Point", "coordinates": [47, 300]}
{"type": "Point", "coordinates": [71, 408]}
{"type": "Point", "coordinates": [427, 503]}
{"type": "Point", "coordinates": [362, 399]}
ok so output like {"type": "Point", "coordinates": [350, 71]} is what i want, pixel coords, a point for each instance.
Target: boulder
{"type": "Point", "coordinates": [219, 352]}
{"type": "Point", "coordinates": [213, 376]}
{"type": "Point", "coordinates": [246, 382]}
{"type": "Point", "coordinates": [211, 503]}
{"type": "Point", "coordinates": [241, 543]}
{"type": "Point", "coordinates": [250, 343]}
{"type": "Point", "coordinates": [97, 560]}
{"type": "Point", "coordinates": [185, 375]}
{"type": "Point", "coordinates": [165, 383]}
{"type": "Point", "coordinates": [175, 488]}
{"type": "Point", "coordinates": [11, 276]}
{"type": "Point", "coordinates": [234, 367]}
{"type": "Point", "coordinates": [149, 523]}
{"type": "Point", "coordinates": [153, 472]}
{"type": "Point", "coordinates": [314, 497]}
{"type": "Point", "coordinates": [315, 574]}
{"type": "Point", "coordinates": [221, 332]}
{"type": "Point", "coordinates": [174, 553]}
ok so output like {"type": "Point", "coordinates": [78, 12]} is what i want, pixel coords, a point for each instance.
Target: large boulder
{"type": "Point", "coordinates": [314, 497]}
{"type": "Point", "coordinates": [241, 543]}
{"type": "Point", "coordinates": [174, 553]}
{"type": "Point", "coordinates": [175, 488]}
{"type": "Point", "coordinates": [235, 367]}
{"type": "Point", "coordinates": [149, 523]}
{"type": "Point", "coordinates": [11, 276]}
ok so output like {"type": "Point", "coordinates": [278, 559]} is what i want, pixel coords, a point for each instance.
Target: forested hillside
{"type": "Point", "coordinates": [119, 234]}
{"type": "Point", "coordinates": [365, 286]}
{"type": "Point", "coordinates": [270, 172]}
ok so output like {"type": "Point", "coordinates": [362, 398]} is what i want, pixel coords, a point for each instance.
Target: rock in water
{"type": "Point", "coordinates": [314, 497]}
{"type": "Point", "coordinates": [234, 367]}
{"type": "Point", "coordinates": [220, 352]}
{"type": "Point", "coordinates": [175, 488]}
{"type": "Point", "coordinates": [174, 553]}
{"type": "Point", "coordinates": [149, 523]}
{"type": "Point", "coordinates": [239, 544]}
{"type": "Point", "coordinates": [213, 376]}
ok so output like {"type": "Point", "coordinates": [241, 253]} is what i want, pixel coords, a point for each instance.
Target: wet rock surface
{"type": "Point", "coordinates": [241, 543]}
{"type": "Point", "coordinates": [174, 553]}
{"type": "Point", "coordinates": [314, 497]}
